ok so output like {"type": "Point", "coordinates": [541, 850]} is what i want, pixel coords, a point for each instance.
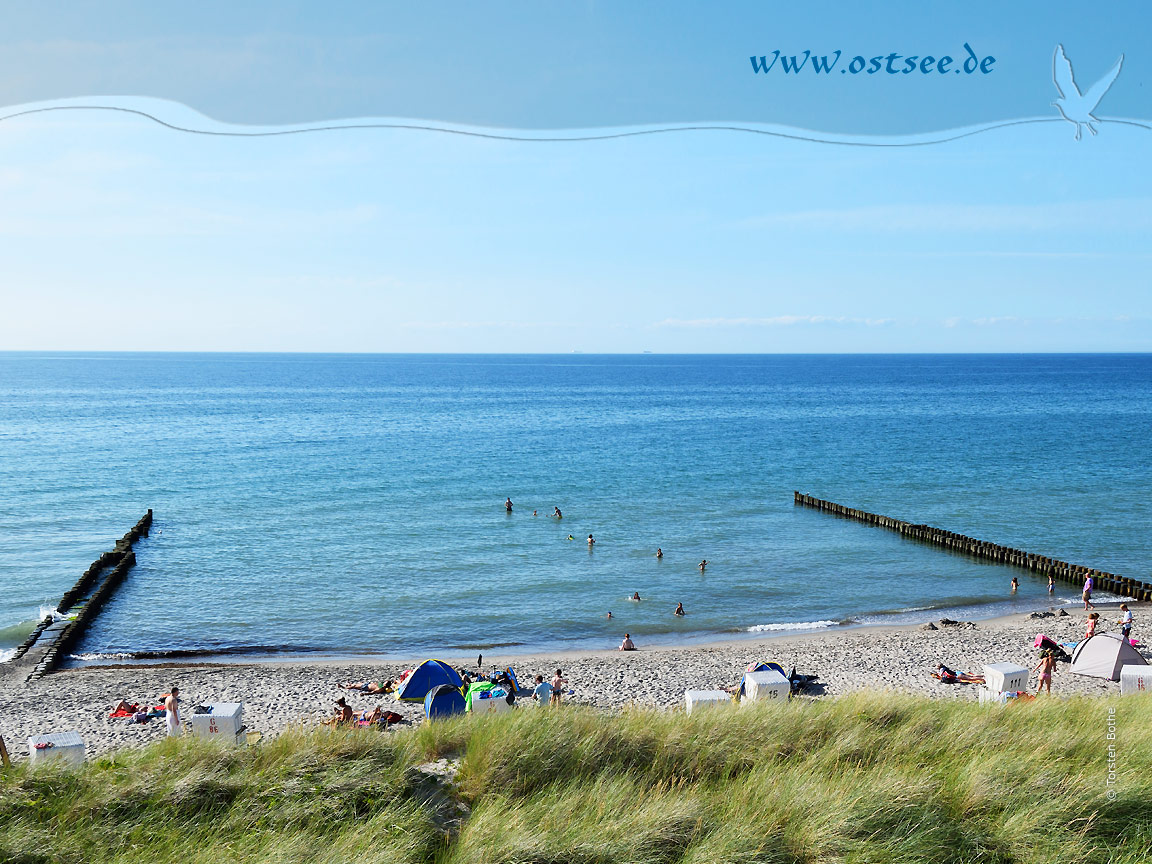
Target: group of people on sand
{"type": "Point", "coordinates": [549, 692]}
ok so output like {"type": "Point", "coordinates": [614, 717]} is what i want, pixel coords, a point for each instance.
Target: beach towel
{"type": "Point", "coordinates": [124, 712]}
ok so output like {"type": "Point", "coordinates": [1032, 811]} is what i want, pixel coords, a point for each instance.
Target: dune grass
{"type": "Point", "coordinates": [863, 778]}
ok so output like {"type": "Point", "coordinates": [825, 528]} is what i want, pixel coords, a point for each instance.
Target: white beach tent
{"type": "Point", "coordinates": [1103, 655]}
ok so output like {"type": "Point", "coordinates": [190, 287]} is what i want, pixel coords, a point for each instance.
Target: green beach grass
{"type": "Point", "coordinates": [862, 778]}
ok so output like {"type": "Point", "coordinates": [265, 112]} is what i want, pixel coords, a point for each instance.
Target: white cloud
{"type": "Point", "coordinates": [777, 321]}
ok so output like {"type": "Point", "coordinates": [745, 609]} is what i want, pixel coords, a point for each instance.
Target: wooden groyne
{"type": "Point", "coordinates": [51, 641]}
{"type": "Point", "coordinates": [1073, 574]}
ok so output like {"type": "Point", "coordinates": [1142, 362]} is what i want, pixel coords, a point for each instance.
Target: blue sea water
{"type": "Point", "coordinates": [353, 504]}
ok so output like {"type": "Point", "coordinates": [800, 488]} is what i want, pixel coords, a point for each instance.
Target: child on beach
{"type": "Point", "coordinates": [1125, 621]}
{"type": "Point", "coordinates": [1051, 584]}
{"type": "Point", "coordinates": [558, 682]}
{"type": "Point", "coordinates": [1092, 619]}
{"type": "Point", "coordinates": [1044, 670]}
{"type": "Point", "coordinates": [627, 645]}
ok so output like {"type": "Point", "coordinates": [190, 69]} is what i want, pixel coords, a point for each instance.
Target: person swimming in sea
{"type": "Point", "coordinates": [659, 552]}
{"type": "Point", "coordinates": [609, 615]}
{"type": "Point", "coordinates": [635, 595]}
{"type": "Point", "coordinates": [591, 542]}
{"type": "Point", "coordinates": [533, 512]}
{"type": "Point", "coordinates": [508, 505]}
{"type": "Point", "coordinates": [679, 609]}
{"type": "Point", "coordinates": [703, 564]}
{"type": "Point", "coordinates": [556, 512]}
{"type": "Point", "coordinates": [1015, 584]}
{"type": "Point", "coordinates": [570, 537]}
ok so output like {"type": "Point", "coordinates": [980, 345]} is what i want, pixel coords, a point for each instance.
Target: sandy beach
{"type": "Point", "coordinates": [279, 694]}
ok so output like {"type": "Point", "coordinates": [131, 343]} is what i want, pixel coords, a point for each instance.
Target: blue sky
{"type": "Point", "coordinates": [118, 234]}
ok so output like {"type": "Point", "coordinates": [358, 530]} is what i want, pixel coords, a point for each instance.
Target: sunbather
{"type": "Point", "coordinates": [341, 714]}
{"type": "Point", "coordinates": [369, 686]}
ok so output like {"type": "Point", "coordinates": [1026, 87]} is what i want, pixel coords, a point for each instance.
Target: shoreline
{"type": "Point", "coordinates": [683, 642]}
{"type": "Point", "coordinates": [282, 693]}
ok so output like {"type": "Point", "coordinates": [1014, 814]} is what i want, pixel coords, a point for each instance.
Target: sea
{"type": "Point", "coordinates": [353, 505]}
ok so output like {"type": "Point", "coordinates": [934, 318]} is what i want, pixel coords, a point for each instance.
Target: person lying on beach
{"type": "Point", "coordinates": [950, 676]}
{"type": "Point", "coordinates": [369, 716]}
{"type": "Point", "coordinates": [627, 645]}
{"type": "Point", "coordinates": [369, 686]}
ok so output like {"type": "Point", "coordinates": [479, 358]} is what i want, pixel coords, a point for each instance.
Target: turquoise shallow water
{"type": "Point", "coordinates": [354, 504]}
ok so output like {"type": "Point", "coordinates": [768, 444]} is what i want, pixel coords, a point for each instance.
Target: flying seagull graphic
{"type": "Point", "coordinates": [1077, 107]}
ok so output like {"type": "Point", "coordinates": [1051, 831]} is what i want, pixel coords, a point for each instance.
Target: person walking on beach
{"type": "Point", "coordinates": [679, 609]}
{"type": "Point", "coordinates": [508, 505]}
{"type": "Point", "coordinates": [1125, 621]}
{"type": "Point", "coordinates": [1044, 670]}
{"type": "Point", "coordinates": [1092, 619]}
{"type": "Point", "coordinates": [558, 682]}
{"type": "Point", "coordinates": [172, 712]}
{"type": "Point", "coordinates": [1088, 594]}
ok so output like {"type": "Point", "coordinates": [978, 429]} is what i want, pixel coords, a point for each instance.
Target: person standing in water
{"type": "Point", "coordinates": [659, 552]}
{"type": "Point", "coordinates": [703, 564]}
{"type": "Point", "coordinates": [679, 609]}
{"type": "Point", "coordinates": [508, 505]}
{"type": "Point", "coordinates": [591, 541]}
{"type": "Point", "coordinates": [1015, 584]}
{"type": "Point", "coordinates": [556, 512]}
{"type": "Point", "coordinates": [1051, 584]}
{"type": "Point", "coordinates": [172, 712]}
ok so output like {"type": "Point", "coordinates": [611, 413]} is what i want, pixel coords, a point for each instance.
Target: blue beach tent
{"type": "Point", "coordinates": [443, 700]}
{"type": "Point", "coordinates": [424, 677]}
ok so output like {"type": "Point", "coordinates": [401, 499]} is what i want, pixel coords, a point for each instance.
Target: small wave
{"type": "Point", "coordinates": [185, 653]}
{"type": "Point", "coordinates": [88, 658]}
{"type": "Point", "coordinates": [484, 646]}
{"type": "Point", "coordinates": [798, 625]}
{"type": "Point", "coordinates": [7, 654]}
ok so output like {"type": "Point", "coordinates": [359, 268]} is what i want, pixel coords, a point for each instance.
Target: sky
{"type": "Point", "coordinates": [117, 233]}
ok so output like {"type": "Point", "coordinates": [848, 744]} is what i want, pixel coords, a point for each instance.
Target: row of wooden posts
{"type": "Point", "coordinates": [92, 590]}
{"type": "Point", "coordinates": [1074, 574]}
